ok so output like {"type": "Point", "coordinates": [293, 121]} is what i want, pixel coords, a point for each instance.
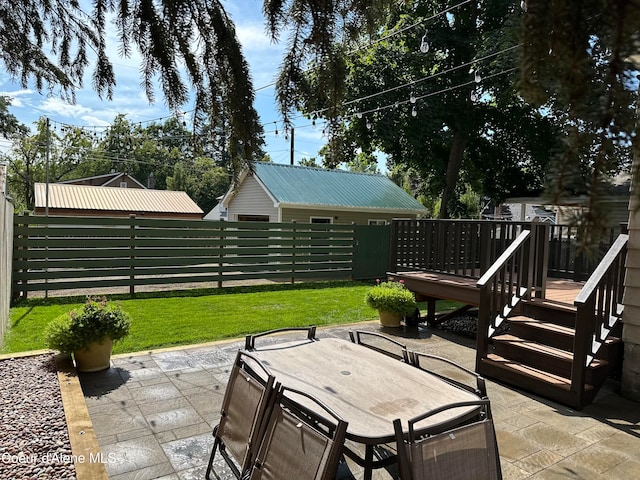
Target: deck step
{"type": "Point", "coordinates": [550, 311]}
{"type": "Point", "coordinates": [544, 384]}
{"type": "Point", "coordinates": [551, 334]}
{"type": "Point", "coordinates": [544, 357]}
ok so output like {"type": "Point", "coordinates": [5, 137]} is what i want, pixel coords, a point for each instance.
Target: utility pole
{"type": "Point", "coordinates": [292, 145]}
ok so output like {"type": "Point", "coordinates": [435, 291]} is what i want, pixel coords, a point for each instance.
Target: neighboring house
{"type": "Point", "coordinates": [276, 192]}
{"type": "Point", "coordinates": [218, 212]}
{"type": "Point", "coordinates": [118, 179]}
{"type": "Point", "coordinates": [615, 198]}
{"type": "Point", "coordinates": [87, 200]}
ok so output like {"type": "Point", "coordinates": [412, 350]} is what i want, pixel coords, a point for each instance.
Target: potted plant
{"type": "Point", "coordinates": [392, 300]}
{"type": "Point", "coordinates": [89, 333]}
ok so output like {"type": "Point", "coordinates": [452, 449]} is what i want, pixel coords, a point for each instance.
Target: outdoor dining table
{"type": "Point", "coordinates": [366, 388]}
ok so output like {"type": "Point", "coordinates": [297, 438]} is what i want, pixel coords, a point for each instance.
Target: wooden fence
{"type": "Point", "coordinates": [6, 233]}
{"type": "Point", "coordinates": [69, 253]}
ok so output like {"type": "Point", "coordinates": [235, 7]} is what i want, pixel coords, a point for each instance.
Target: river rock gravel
{"type": "Point", "coordinates": [34, 441]}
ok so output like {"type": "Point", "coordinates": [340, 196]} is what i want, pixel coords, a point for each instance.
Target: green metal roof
{"type": "Point", "coordinates": [297, 185]}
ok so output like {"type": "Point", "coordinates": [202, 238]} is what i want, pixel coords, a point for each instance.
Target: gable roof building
{"type": "Point", "coordinates": [117, 179]}
{"type": "Point", "coordinates": [68, 199]}
{"type": "Point", "coordinates": [284, 193]}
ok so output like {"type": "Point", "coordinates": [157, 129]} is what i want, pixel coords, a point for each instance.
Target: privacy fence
{"type": "Point", "coordinates": [71, 253]}
{"type": "Point", "coordinates": [77, 253]}
{"type": "Point", "coordinates": [6, 235]}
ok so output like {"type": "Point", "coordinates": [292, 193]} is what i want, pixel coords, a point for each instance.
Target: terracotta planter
{"type": "Point", "coordinates": [96, 357]}
{"type": "Point", "coordinates": [389, 319]}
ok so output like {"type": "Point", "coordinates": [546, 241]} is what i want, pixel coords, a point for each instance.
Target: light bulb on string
{"type": "Point", "coordinates": [276, 125]}
{"type": "Point", "coordinates": [368, 125]}
{"type": "Point", "coordinates": [424, 43]}
{"type": "Point", "coordinates": [359, 114]}
{"type": "Point", "coordinates": [477, 78]}
{"type": "Point", "coordinates": [474, 97]}
{"type": "Point", "coordinates": [523, 6]}
{"type": "Point", "coordinates": [414, 111]}
{"type": "Point", "coordinates": [412, 98]}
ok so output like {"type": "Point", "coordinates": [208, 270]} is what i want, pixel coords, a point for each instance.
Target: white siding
{"type": "Point", "coordinates": [303, 215]}
{"type": "Point", "coordinates": [631, 316]}
{"type": "Point", "coordinates": [251, 199]}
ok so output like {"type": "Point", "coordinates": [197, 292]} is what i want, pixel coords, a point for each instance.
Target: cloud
{"type": "Point", "coordinates": [16, 96]}
{"type": "Point", "coordinates": [53, 106]}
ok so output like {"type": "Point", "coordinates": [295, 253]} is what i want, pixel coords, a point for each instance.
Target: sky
{"type": "Point", "coordinates": [263, 57]}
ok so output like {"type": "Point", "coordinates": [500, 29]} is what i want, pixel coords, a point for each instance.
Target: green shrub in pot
{"type": "Point", "coordinates": [97, 323]}
{"type": "Point", "coordinates": [391, 297]}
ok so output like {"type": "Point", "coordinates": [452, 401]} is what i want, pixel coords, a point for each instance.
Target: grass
{"type": "Point", "coordinates": [189, 317]}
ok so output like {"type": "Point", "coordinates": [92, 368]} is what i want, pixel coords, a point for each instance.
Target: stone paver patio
{"type": "Point", "coordinates": [153, 414]}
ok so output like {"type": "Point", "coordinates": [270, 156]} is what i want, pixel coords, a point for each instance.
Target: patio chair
{"type": "Point", "coordinates": [250, 340]}
{"type": "Point", "coordinates": [380, 343]}
{"type": "Point", "coordinates": [467, 452]}
{"type": "Point", "coordinates": [303, 440]}
{"type": "Point", "coordinates": [246, 402]}
{"type": "Point", "coordinates": [450, 372]}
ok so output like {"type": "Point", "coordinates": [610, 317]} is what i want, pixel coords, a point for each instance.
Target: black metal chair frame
{"type": "Point", "coordinates": [250, 340]}
{"type": "Point", "coordinates": [480, 389]}
{"type": "Point", "coordinates": [327, 424]}
{"type": "Point", "coordinates": [356, 337]}
{"type": "Point", "coordinates": [237, 465]}
{"type": "Point", "coordinates": [414, 434]}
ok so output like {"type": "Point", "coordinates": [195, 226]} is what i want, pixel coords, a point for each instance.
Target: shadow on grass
{"type": "Point", "coordinates": [196, 292]}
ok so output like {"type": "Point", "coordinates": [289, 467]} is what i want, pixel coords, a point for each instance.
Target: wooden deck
{"type": "Point", "coordinates": [430, 286]}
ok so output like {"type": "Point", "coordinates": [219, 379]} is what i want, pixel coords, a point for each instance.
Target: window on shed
{"type": "Point", "coordinates": [321, 220]}
{"type": "Point", "coordinates": [377, 222]}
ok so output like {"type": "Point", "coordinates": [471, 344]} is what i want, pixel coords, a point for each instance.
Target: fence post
{"type": "Point", "coordinates": [393, 254]}
{"type": "Point", "coordinates": [541, 256]}
{"type": "Point", "coordinates": [293, 253]}
{"type": "Point", "coordinates": [221, 253]}
{"type": "Point", "coordinates": [24, 283]}
{"type": "Point", "coordinates": [132, 254]}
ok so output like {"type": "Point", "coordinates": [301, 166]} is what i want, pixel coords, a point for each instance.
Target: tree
{"type": "Point", "coordinates": [581, 58]}
{"type": "Point", "coordinates": [10, 127]}
{"type": "Point", "coordinates": [451, 113]}
{"type": "Point", "coordinates": [320, 33]}
{"type": "Point", "coordinates": [50, 41]}
{"type": "Point", "coordinates": [202, 180]}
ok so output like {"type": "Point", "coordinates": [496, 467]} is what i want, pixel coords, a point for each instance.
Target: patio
{"type": "Point", "coordinates": [153, 414]}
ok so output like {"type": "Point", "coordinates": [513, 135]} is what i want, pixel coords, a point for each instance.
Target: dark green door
{"type": "Point", "coordinates": [371, 256]}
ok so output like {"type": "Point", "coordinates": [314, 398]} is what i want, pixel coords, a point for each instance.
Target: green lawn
{"type": "Point", "coordinates": [189, 317]}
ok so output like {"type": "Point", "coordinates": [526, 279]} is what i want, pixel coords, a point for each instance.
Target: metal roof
{"type": "Point", "coordinates": [305, 186]}
{"type": "Point", "coordinates": [86, 197]}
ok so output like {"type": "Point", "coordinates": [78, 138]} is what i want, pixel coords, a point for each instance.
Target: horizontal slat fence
{"type": "Point", "coordinates": [468, 247]}
{"type": "Point", "coordinates": [63, 253]}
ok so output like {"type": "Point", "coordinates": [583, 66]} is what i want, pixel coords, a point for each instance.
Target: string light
{"type": "Point", "coordinates": [414, 111]}
{"type": "Point", "coordinates": [424, 44]}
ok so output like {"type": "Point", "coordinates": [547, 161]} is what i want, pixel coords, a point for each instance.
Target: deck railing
{"type": "Point", "coordinates": [502, 287]}
{"type": "Point", "coordinates": [468, 247]}
{"type": "Point", "coordinates": [599, 310]}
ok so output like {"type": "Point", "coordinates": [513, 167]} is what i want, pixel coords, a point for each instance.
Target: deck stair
{"type": "Point", "coordinates": [537, 355]}
{"type": "Point", "coordinates": [564, 335]}
{"type": "Point", "coordinates": [560, 351]}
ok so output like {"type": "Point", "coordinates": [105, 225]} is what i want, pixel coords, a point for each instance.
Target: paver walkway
{"type": "Point", "coordinates": [154, 412]}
